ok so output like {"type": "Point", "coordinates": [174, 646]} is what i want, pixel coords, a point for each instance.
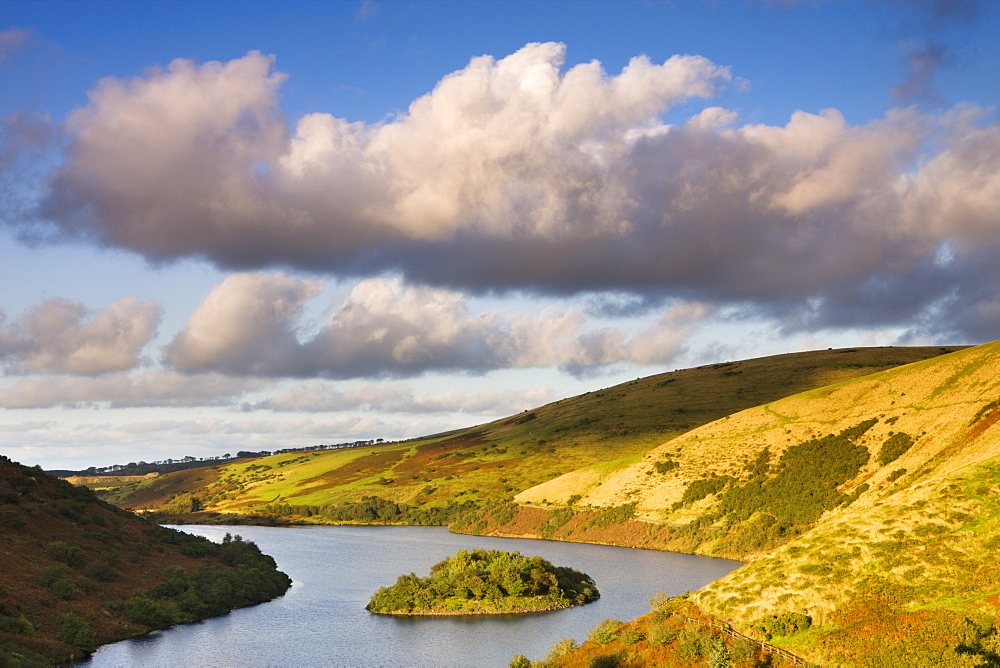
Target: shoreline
{"type": "Point", "coordinates": [474, 613]}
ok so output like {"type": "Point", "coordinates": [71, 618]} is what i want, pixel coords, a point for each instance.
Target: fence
{"type": "Point", "coordinates": [725, 628]}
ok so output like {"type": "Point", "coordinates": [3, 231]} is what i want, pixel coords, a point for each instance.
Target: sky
{"type": "Point", "coordinates": [252, 226]}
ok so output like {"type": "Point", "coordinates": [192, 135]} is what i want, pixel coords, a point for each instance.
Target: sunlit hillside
{"type": "Point", "coordinates": [613, 427]}
{"type": "Point", "coordinates": [872, 506]}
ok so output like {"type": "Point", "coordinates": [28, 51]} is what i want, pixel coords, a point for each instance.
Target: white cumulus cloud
{"type": "Point", "coordinates": [250, 325]}
{"type": "Point", "coordinates": [61, 336]}
{"type": "Point", "coordinates": [517, 173]}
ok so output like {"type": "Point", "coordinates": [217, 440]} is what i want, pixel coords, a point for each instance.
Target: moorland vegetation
{"type": "Point", "coordinates": [433, 480]}
{"type": "Point", "coordinates": [486, 582]}
{"type": "Point", "coordinates": [76, 572]}
{"type": "Point", "coordinates": [859, 485]}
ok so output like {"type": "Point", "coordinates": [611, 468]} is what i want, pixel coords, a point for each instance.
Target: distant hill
{"type": "Point", "coordinates": [431, 480]}
{"type": "Point", "coordinates": [76, 572]}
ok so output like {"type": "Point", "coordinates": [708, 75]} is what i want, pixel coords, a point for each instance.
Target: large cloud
{"type": "Point", "coordinates": [247, 323]}
{"type": "Point", "coordinates": [515, 174]}
{"type": "Point", "coordinates": [250, 325]}
{"type": "Point", "coordinates": [61, 336]}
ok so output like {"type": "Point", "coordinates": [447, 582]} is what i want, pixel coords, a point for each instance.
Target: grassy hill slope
{"type": "Point", "coordinates": [76, 572]}
{"type": "Point", "coordinates": [871, 506]}
{"type": "Point", "coordinates": [435, 476]}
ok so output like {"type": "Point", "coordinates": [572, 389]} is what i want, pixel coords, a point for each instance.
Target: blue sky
{"type": "Point", "coordinates": [231, 226]}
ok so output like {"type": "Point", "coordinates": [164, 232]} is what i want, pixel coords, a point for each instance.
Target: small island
{"type": "Point", "coordinates": [486, 582]}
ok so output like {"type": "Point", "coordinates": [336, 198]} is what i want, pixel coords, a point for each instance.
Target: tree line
{"type": "Point", "coordinates": [169, 465]}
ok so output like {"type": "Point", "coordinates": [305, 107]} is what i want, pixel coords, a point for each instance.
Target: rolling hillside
{"type": "Point", "coordinates": [871, 506]}
{"type": "Point", "coordinates": [436, 477]}
{"type": "Point", "coordinates": [76, 572]}
{"type": "Point", "coordinates": [868, 507]}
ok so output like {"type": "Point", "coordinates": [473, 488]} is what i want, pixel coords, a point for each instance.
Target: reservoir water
{"type": "Point", "coordinates": [322, 620]}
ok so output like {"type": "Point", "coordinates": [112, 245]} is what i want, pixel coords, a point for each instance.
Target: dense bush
{"type": "Point", "coordinates": [504, 511]}
{"type": "Point", "coordinates": [693, 641]}
{"type": "Point", "coordinates": [604, 633]}
{"type": "Point", "coordinates": [766, 510]}
{"type": "Point", "coordinates": [806, 482]}
{"type": "Point", "coordinates": [11, 519]}
{"type": "Point", "coordinates": [373, 510]}
{"type": "Point", "coordinates": [67, 554]}
{"type": "Point", "coordinates": [608, 660]}
{"type": "Point", "coordinates": [180, 597]}
{"type": "Point", "coordinates": [16, 625]}
{"type": "Point", "coordinates": [665, 466]}
{"type": "Point", "coordinates": [784, 624]}
{"type": "Point", "coordinates": [77, 632]}
{"type": "Point", "coordinates": [560, 647]}
{"type": "Point", "coordinates": [699, 489]}
{"type": "Point", "coordinates": [57, 580]}
{"type": "Point", "coordinates": [558, 519]}
{"type": "Point", "coordinates": [145, 611]}
{"type": "Point", "coordinates": [613, 515]}
{"type": "Point", "coordinates": [662, 634]}
{"type": "Point", "coordinates": [630, 636]}
{"type": "Point", "coordinates": [894, 447]}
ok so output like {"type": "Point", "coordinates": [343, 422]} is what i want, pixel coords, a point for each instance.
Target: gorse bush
{"type": "Point", "coordinates": [555, 521]}
{"type": "Point", "coordinates": [767, 509]}
{"type": "Point", "coordinates": [806, 482]}
{"type": "Point", "coordinates": [665, 466]}
{"type": "Point", "coordinates": [894, 447]}
{"type": "Point", "coordinates": [67, 554]}
{"type": "Point", "coordinates": [613, 515]}
{"type": "Point", "coordinates": [782, 624]}
{"type": "Point", "coordinates": [895, 475]}
{"type": "Point", "coordinates": [699, 489]}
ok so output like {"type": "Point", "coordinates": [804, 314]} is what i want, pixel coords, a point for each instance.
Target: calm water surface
{"type": "Point", "coordinates": [322, 620]}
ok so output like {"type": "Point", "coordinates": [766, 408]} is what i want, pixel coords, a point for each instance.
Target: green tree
{"type": "Point", "coordinates": [604, 633]}
{"type": "Point", "coordinates": [77, 632]}
{"type": "Point", "coordinates": [719, 656]}
{"type": "Point", "coordinates": [142, 610]}
{"type": "Point", "coordinates": [560, 647]}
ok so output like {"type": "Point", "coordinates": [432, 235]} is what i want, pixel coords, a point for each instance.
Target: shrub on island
{"type": "Point", "coordinates": [486, 582]}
